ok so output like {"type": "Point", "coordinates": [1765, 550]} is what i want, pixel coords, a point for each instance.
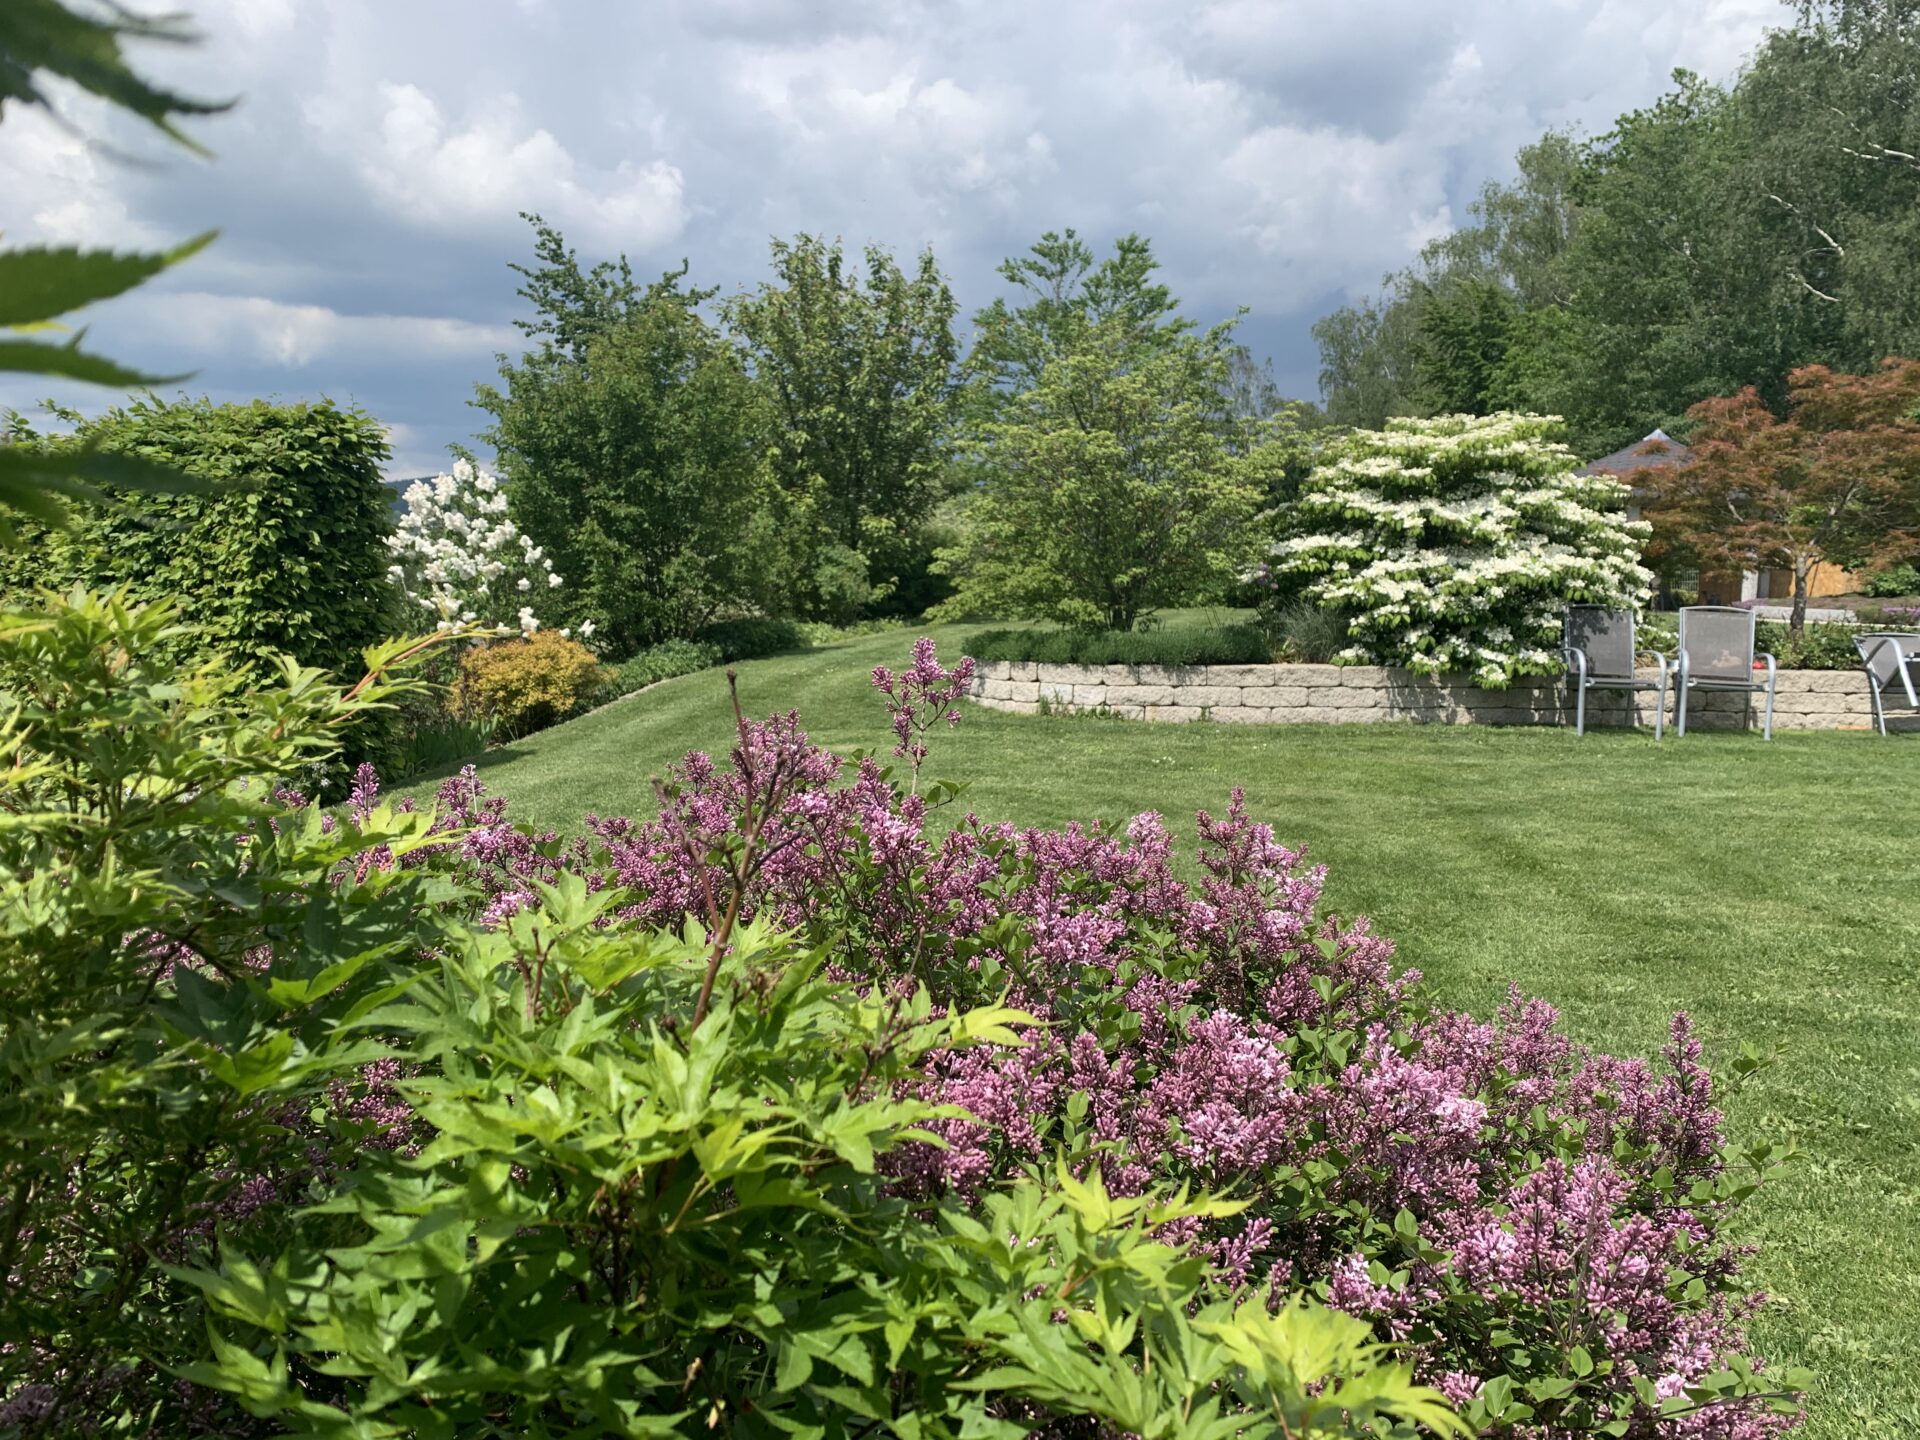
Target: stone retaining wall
{"type": "Point", "coordinates": [1350, 694]}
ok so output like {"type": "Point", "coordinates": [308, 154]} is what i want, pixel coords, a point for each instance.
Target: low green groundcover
{"type": "Point", "coordinates": [1188, 645]}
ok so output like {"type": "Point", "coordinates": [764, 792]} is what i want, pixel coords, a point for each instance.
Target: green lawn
{"type": "Point", "coordinates": [1770, 889]}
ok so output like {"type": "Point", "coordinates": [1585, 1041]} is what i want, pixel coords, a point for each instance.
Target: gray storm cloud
{"type": "Point", "coordinates": [1282, 156]}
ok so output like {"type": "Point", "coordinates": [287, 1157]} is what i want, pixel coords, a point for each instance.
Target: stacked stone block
{"type": "Point", "coordinates": [1365, 694]}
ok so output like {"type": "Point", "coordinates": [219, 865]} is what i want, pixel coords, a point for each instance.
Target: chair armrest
{"type": "Point", "coordinates": [1576, 662]}
{"type": "Point", "coordinates": [1773, 668]}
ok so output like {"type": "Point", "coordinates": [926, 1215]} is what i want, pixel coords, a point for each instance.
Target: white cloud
{"type": "Point", "coordinates": [62, 190]}
{"type": "Point", "coordinates": [295, 336]}
{"type": "Point", "coordinates": [436, 173]}
{"type": "Point", "coordinates": [1279, 155]}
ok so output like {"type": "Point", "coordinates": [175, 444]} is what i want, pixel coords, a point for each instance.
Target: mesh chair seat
{"type": "Point", "coordinates": [1598, 647]}
{"type": "Point", "coordinates": [1717, 653]}
{"type": "Point", "coordinates": [1892, 662]}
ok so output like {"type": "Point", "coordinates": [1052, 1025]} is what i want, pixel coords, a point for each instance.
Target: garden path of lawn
{"type": "Point", "coordinates": [1773, 890]}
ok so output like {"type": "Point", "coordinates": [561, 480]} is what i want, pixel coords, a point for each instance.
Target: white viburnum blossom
{"type": "Point", "coordinates": [1456, 543]}
{"type": "Point", "coordinates": [459, 556]}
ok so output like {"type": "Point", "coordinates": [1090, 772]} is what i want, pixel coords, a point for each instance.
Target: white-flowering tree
{"type": "Point", "coordinates": [1455, 543]}
{"type": "Point", "coordinates": [459, 556]}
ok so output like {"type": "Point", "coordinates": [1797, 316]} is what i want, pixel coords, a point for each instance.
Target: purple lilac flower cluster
{"type": "Point", "coordinates": [1493, 1197]}
{"type": "Point", "coordinates": [920, 697]}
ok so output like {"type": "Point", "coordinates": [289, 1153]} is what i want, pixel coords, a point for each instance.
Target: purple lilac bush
{"type": "Point", "coordinates": [1539, 1226]}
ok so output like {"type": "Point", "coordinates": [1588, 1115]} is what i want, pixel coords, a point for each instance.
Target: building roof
{"type": "Point", "coordinates": [1659, 451]}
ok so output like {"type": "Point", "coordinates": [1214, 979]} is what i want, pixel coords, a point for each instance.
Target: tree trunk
{"type": "Point", "coordinates": [1798, 623]}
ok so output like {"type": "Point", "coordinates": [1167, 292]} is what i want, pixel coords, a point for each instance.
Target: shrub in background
{"type": "Point", "coordinates": [751, 638]}
{"type": "Point", "coordinates": [284, 554]}
{"type": "Point", "coordinates": [1456, 543]}
{"type": "Point", "coordinates": [527, 685]}
{"type": "Point", "coordinates": [1816, 647]}
{"type": "Point", "coordinates": [631, 439]}
{"type": "Point", "coordinates": [1177, 645]}
{"type": "Point", "coordinates": [665, 661]}
{"type": "Point", "coordinates": [819, 632]}
{"type": "Point", "coordinates": [1822, 645]}
{"type": "Point", "coordinates": [1302, 633]}
{"type": "Point", "coordinates": [1894, 582]}
{"type": "Point", "coordinates": [854, 358]}
{"type": "Point", "coordinates": [1109, 490]}
{"type": "Point", "coordinates": [460, 559]}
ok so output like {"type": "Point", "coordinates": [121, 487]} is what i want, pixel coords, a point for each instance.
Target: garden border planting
{"type": "Point", "coordinates": [1365, 694]}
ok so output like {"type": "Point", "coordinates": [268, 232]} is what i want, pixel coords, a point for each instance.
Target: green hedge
{"type": "Point", "coordinates": [665, 661]}
{"type": "Point", "coordinates": [1194, 645]}
{"type": "Point", "coordinates": [1823, 645]}
{"type": "Point", "coordinates": [751, 639]}
{"type": "Point", "coordinates": [285, 555]}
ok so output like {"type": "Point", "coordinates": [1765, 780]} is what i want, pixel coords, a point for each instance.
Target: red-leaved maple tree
{"type": "Point", "coordinates": [1836, 477]}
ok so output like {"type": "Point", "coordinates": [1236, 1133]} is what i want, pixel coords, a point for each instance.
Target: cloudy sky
{"type": "Point", "coordinates": [1282, 155]}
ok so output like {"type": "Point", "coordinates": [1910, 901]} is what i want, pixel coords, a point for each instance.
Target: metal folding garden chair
{"type": "Point", "coordinates": [1891, 661]}
{"type": "Point", "coordinates": [1599, 648]}
{"type": "Point", "coordinates": [1716, 653]}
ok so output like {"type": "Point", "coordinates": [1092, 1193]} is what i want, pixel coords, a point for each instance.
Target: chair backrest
{"type": "Point", "coordinates": [1717, 641]}
{"type": "Point", "coordinates": [1605, 635]}
{"type": "Point", "coordinates": [1886, 654]}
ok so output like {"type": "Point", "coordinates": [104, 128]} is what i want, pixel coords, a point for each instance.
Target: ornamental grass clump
{"type": "Point", "coordinates": [1538, 1227]}
{"type": "Point", "coordinates": [1456, 543]}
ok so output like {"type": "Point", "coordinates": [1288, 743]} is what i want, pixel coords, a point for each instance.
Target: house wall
{"type": "Point", "coordinates": [1369, 694]}
{"type": "Point", "coordinates": [1823, 580]}
{"type": "Point", "coordinates": [1775, 586]}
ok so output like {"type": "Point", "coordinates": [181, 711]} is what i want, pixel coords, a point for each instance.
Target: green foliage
{"type": "Point", "coordinates": [1464, 335]}
{"type": "Point", "coordinates": [175, 969]}
{"type": "Point", "coordinates": [280, 550]}
{"type": "Point", "coordinates": [1455, 544]}
{"type": "Point", "coordinates": [1821, 645]}
{"type": "Point", "coordinates": [39, 285]}
{"type": "Point", "coordinates": [39, 38]}
{"type": "Point", "coordinates": [1303, 633]}
{"type": "Point", "coordinates": [666, 661]}
{"type": "Point", "coordinates": [575, 307]}
{"type": "Point", "coordinates": [1366, 360]}
{"type": "Point", "coordinates": [1896, 581]}
{"type": "Point", "coordinates": [626, 1226]}
{"type": "Point", "coordinates": [1065, 298]}
{"type": "Point", "coordinates": [36, 287]}
{"type": "Point", "coordinates": [287, 1133]}
{"type": "Point", "coordinates": [1109, 489]}
{"type": "Point", "coordinates": [1718, 238]}
{"type": "Point", "coordinates": [1176, 645]}
{"type": "Point", "coordinates": [858, 375]}
{"type": "Point", "coordinates": [1447, 335]}
{"type": "Point", "coordinates": [527, 685]}
{"type": "Point", "coordinates": [750, 638]}
{"type": "Point", "coordinates": [432, 740]}
{"type": "Point", "coordinates": [630, 443]}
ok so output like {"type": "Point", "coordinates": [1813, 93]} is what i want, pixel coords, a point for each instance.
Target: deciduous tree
{"type": "Point", "coordinates": [631, 442]}
{"type": "Point", "coordinates": [1455, 544]}
{"type": "Point", "coordinates": [858, 372]}
{"type": "Point", "coordinates": [1835, 476]}
{"type": "Point", "coordinates": [1110, 490]}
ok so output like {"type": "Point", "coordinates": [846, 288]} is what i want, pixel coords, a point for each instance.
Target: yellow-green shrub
{"type": "Point", "coordinates": [526, 685]}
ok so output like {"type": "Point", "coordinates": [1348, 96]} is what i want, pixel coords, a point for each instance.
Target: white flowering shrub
{"type": "Point", "coordinates": [460, 557]}
{"type": "Point", "coordinates": [1455, 544]}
